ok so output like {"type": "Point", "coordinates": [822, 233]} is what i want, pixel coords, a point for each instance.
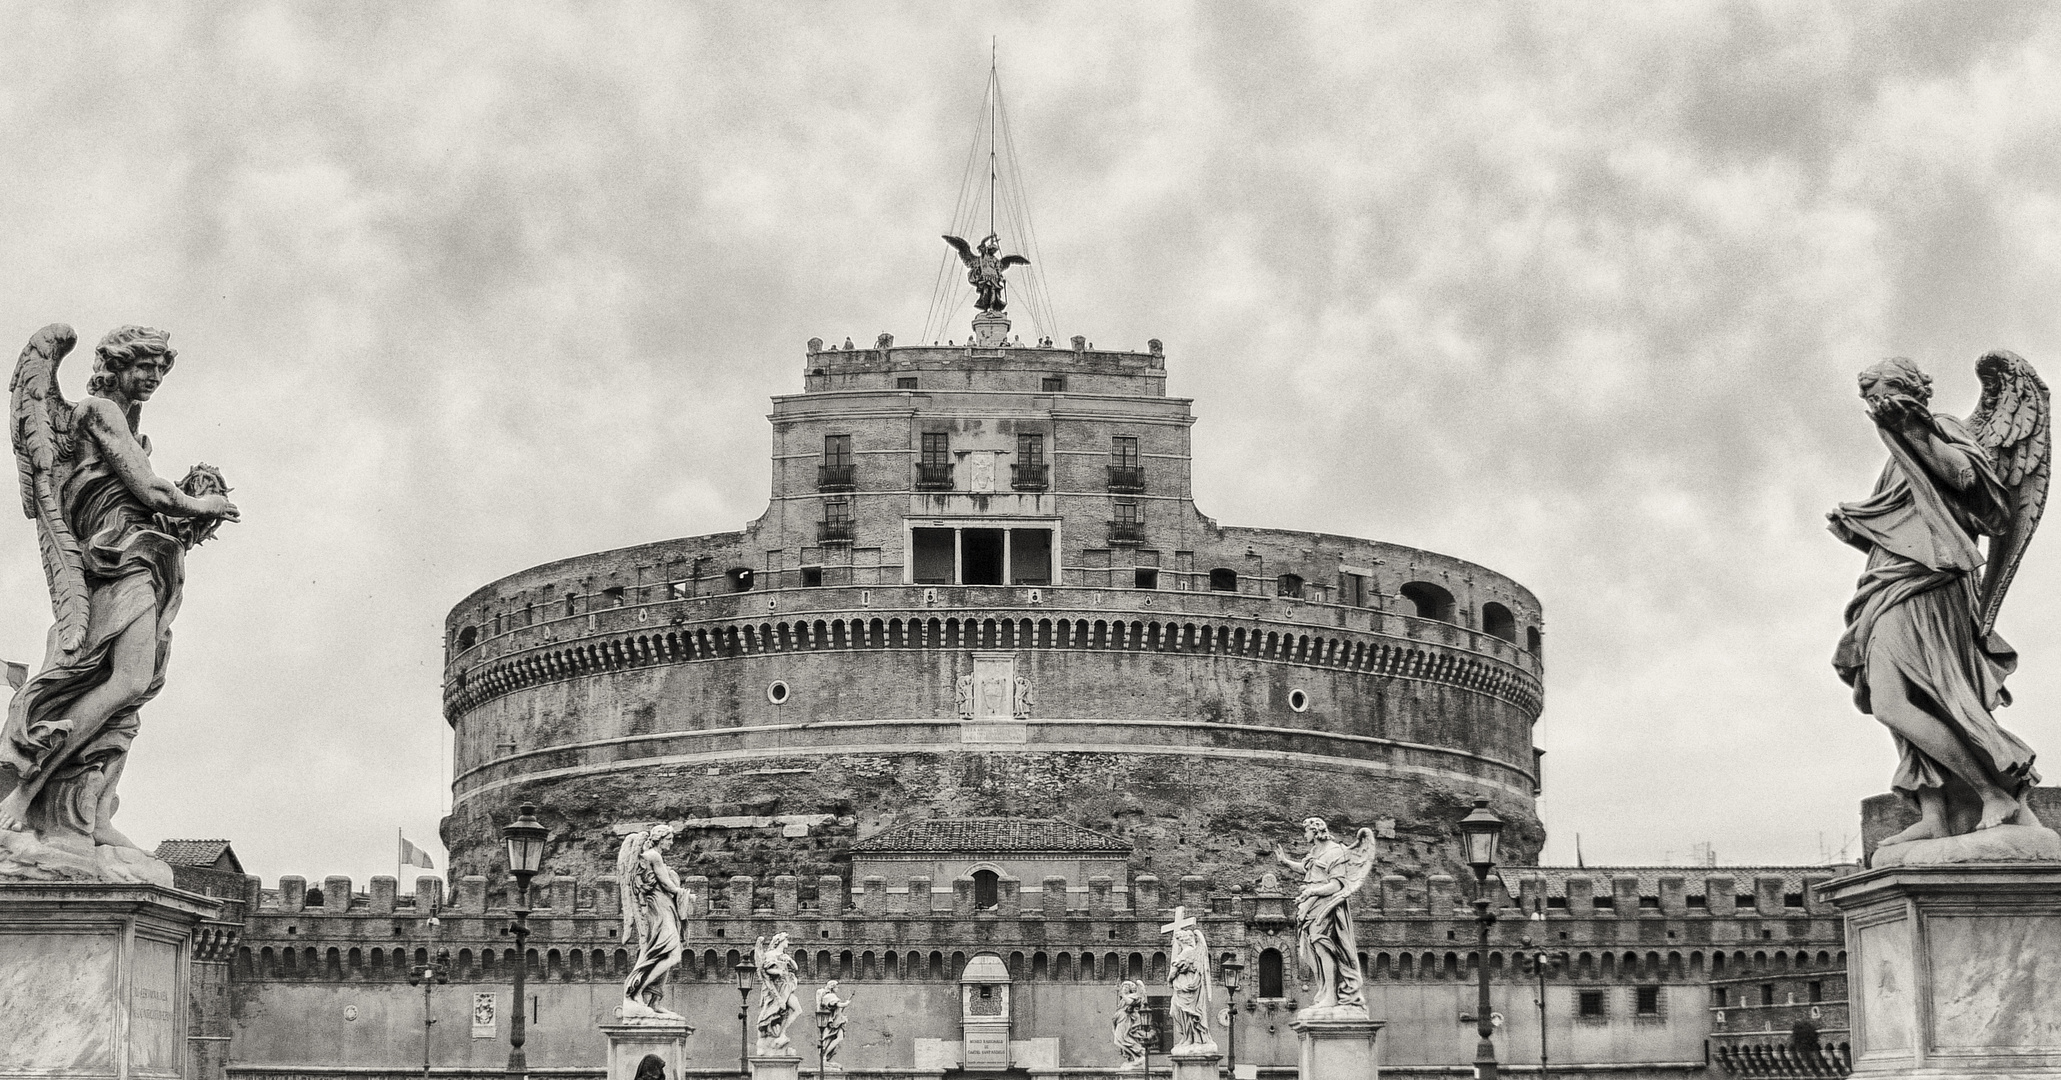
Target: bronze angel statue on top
{"type": "Point", "coordinates": [1921, 649]}
{"type": "Point", "coordinates": [984, 270]}
{"type": "Point", "coordinates": [114, 537]}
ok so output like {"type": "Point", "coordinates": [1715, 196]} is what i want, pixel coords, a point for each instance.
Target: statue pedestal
{"type": "Point", "coordinates": [630, 1042]}
{"type": "Point", "coordinates": [990, 330]}
{"type": "Point", "coordinates": [1196, 1064]}
{"type": "Point", "coordinates": [95, 981]}
{"type": "Point", "coordinates": [1337, 1049]}
{"type": "Point", "coordinates": [773, 1067]}
{"type": "Point", "coordinates": [1950, 969]}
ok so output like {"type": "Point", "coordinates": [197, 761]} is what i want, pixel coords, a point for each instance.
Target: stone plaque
{"type": "Point", "coordinates": [62, 987]}
{"type": "Point", "coordinates": [483, 1016]}
{"type": "Point", "coordinates": [994, 685]}
{"type": "Point", "coordinates": [987, 1047]}
{"type": "Point", "coordinates": [155, 996]}
{"type": "Point", "coordinates": [1885, 959]}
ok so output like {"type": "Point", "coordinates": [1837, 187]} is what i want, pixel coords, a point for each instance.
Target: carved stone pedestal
{"type": "Point", "coordinates": [94, 980]}
{"type": "Point", "coordinates": [1951, 970]}
{"type": "Point", "coordinates": [1337, 1049]}
{"type": "Point", "coordinates": [775, 1068]}
{"type": "Point", "coordinates": [991, 329]}
{"type": "Point", "coordinates": [1196, 1064]}
{"type": "Point", "coordinates": [630, 1043]}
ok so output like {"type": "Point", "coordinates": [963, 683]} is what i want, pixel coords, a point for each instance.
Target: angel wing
{"type": "Point", "coordinates": [1359, 863]}
{"type": "Point", "coordinates": [42, 435]}
{"type": "Point", "coordinates": [2012, 423]}
{"type": "Point", "coordinates": [1014, 260]}
{"type": "Point", "coordinates": [965, 252]}
{"type": "Point", "coordinates": [626, 882]}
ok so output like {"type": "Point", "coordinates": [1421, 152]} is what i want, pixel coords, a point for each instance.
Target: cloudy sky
{"type": "Point", "coordinates": [1575, 291]}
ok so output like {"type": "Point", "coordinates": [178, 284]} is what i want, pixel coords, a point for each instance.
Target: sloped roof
{"type": "Point", "coordinates": [203, 853]}
{"type": "Point", "coordinates": [963, 835]}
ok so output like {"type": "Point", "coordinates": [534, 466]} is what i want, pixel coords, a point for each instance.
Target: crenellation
{"type": "Point", "coordinates": [293, 893]}
{"type": "Point", "coordinates": [963, 906]}
{"type": "Point", "coordinates": [873, 897]}
{"type": "Point", "coordinates": [1768, 896]}
{"type": "Point", "coordinates": [1195, 892]}
{"type": "Point", "coordinates": [921, 901]}
{"type": "Point", "coordinates": [472, 894]}
{"type": "Point", "coordinates": [830, 895]}
{"type": "Point", "coordinates": [1674, 896]}
{"type": "Point", "coordinates": [1008, 897]}
{"type": "Point", "coordinates": [738, 895]}
{"type": "Point", "coordinates": [786, 895]}
{"type": "Point", "coordinates": [381, 895]}
{"type": "Point", "coordinates": [1101, 898]}
{"type": "Point", "coordinates": [563, 894]}
{"type": "Point", "coordinates": [1441, 893]}
{"type": "Point", "coordinates": [1395, 895]}
{"type": "Point", "coordinates": [1145, 900]}
{"type": "Point", "coordinates": [1624, 896]}
{"type": "Point", "coordinates": [1054, 897]}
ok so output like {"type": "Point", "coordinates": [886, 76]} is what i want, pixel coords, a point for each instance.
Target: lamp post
{"type": "Point", "coordinates": [525, 837]}
{"type": "Point", "coordinates": [1540, 960]}
{"type": "Point", "coordinates": [1232, 969]}
{"type": "Point", "coordinates": [429, 976]}
{"type": "Point", "coordinates": [744, 973]}
{"type": "Point", "coordinates": [1483, 830]}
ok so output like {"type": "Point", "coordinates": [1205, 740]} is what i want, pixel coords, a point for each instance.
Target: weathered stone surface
{"type": "Point", "coordinates": [2004, 843]}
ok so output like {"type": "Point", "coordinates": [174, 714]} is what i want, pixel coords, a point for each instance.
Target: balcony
{"type": "Point", "coordinates": [933, 476]}
{"type": "Point", "coordinates": [1028, 477]}
{"type": "Point", "coordinates": [1126, 532]}
{"type": "Point", "coordinates": [834, 532]}
{"type": "Point", "coordinates": [1127, 478]}
{"type": "Point", "coordinates": [834, 478]}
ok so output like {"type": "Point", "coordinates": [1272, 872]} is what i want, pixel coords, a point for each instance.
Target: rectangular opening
{"type": "Point", "coordinates": [1817, 991]}
{"type": "Point", "coordinates": [1591, 1003]}
{"type": "Point", "coordinates": [811, 576]}
{"type": "Point", "coordinates": [1030, 556]}
{"type": "Point", "coordinates": [980, 556]}
{"type": "Point", "coordinates": [1054, 384]}
{"type": "Point", "coordinates": [934, 550]}
{"type": "Point", "coordinates": [905, 382]}
{"type": "Point", "coordinates": [1649, 1001]}
{"type": "Point", "coordinates": [1145, 577]}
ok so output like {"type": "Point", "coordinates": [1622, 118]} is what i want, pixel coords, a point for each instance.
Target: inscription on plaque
{"type": "Point", "coordinates": [155, 1033]}
{"type": "Point", "coordinates": [987, 1048]}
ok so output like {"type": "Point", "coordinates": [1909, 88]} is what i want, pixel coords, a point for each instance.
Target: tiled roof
{"type": "Point", "coordinates": [990, 834]}
{"type": "Point", "coordinates": [1649, 876]}
{"type": "Point", "coordinates": [196, 853]}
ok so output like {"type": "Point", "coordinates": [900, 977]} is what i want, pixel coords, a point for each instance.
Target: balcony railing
{"type": "Point", "coordinates": [834, 532]}
{"type": "Point", "coordinates": [933, 476]}
{"type": "Point", "coordinates": [1028, 477]}
{"type": "Point", "coordinates": [1126, 532]}
{"type": "Point", "coordinates": [1126, 478]}
{"type": "Point", "coordinates": [834, 478]}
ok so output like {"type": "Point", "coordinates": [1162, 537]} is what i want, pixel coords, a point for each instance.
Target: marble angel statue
{"type": "Point", "coordinates": [779, 1002]}
{"type": "Point", "coordinates": [1130, 1024]}
{"type": "Point", "coordinates": [1331, 873]}
{"type": "Point", "coordinates": [1920, 649]}
{"type": "Point", "coordinates": [654, 906]}
{"type": "Point", "coordinates": [830, 1022]}
{"type": "Point", "coordinates": [114, 537]}
{"type": "Point", "coordinates": [1188, 977]}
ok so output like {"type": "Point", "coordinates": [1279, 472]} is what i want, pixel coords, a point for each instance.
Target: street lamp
{"type": "Point", "coordinates": [1535, 940]}
{"type": "Point", "coordinates": [745, 970]}
{"type": "Point", "coordinates": [1232, 969]}
{"type": "Point", "coordinates": [1483, 830]}
{"type": "Point", "coordinates": [429, 976]}
{"type": "Point", "coordinates": [525, 837]}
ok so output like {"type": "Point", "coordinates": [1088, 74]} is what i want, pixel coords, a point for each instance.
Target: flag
{"type": "Point", "coordinates": [414, 856]}
{"type": "Point", "coordinates": [17, 674]}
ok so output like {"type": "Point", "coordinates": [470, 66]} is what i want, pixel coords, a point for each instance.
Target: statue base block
{"type": "Point", "coordinates": [1337, 1049]}
{"type": "Point", "coordinates": [1950, 969]}
{"type": "Point", "coordinates": [990, 330]}
{"type": "Point", "coordinates": [94, 981]}
{"type": "Point", "coordinates": [1198, 1064]}
{"type": "Point", "coordinates": [630, 1042]}
{"type": "Point", "coordinates": [2004, 843]}
{"type": "Point", "coordinates": [775, 1068]}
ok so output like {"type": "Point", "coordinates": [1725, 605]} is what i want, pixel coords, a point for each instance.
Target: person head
{"type": "Point", "coordinates": [1314, 830]}
{"type": "Point", "coordinates": [118, 354]}
{"type": "Point", "coordinates": [991, 245]}
{"type": "Point", "coordinates": [1896, 377]}
{"type": "Point", "coordinates": [659, 836]}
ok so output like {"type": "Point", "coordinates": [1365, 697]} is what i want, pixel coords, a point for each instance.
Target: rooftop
{"type": "Point", "coordinates": [201, 853]}
{"type": "Point", "coordinates": [958, 835]}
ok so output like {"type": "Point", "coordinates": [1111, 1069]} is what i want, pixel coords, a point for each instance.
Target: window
{"type": "Point", "coordinates": [906, 382]}
{"type": "Point", "coordinates": [1719, 998]}
{"type": "Point", "coordinates": [836, 471]}
{"type": "Point", "coordinates": [1028, 474]}
{"type": "Point", "coordinates": [1053, 384]}
{"type": "Point", "coordinates": [1030, 556]}
{"type": "Point", "coordinates": [1125, 474]}
{"type": "Point", "coordinates": [1352, 589]}
{"type": "Point", "coordinates": [1289, 585]}
{"type": "Point", "coordinates": [934, 468]}
{"type": "Point", "coordinates": [1127, 525]}
{"type": "Point", "coordinates": [1590, 1004]}
{"type": "Point", "coordinates": [1767, 993]}
{"type": "Point", "coordinates": [936, 555]}
{"type": "Point", "coordinates": [837, 521]}
{"type": "Point", "coordinates": [1431, 601]}
{"type": "Point", "coordinates": [1222, 580]}
{"type": "Point", "coordinates": [1817, 991]}
{"type": "Point", "coordinates": [980, 556]}
{"type": "Point", "coordinates": [1145, 577]}
{"type": "Point", "coordinates": [1531, 639]}
{"type": "Point", "coordinates": [1498, 622]}
{"type": "Point", "coordinates": [468, 637]}
{"type": "Point", "coordinates": [1649, 1000]}
{"type": "Point", "coordinates": [987, 892]}
{"type": "Point", "coordinates": [1270, 974]}
{"type": "Point", "coordinates": [615, 594]}
{"type": "Point", "coordinates": [811, 576]}
{"type": "Point", "coordinates": [740, 579]}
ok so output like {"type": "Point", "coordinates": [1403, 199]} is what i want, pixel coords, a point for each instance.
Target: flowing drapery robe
{"type": "Point", "coordinates": [1915, 606]}
{"type": "Point", "coordinates": [1324, 927]}
{"type": "Point", "coordinates": [134, 570]}
{"type": "Point", "coordinates": [656, 890]}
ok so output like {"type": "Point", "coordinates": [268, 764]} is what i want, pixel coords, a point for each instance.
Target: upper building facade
{"type": "Point", "coordinates": [982, 588]}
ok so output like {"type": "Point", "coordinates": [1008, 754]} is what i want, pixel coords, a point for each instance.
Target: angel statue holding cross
{"type": "Point", "coordinates": [1920, 649]}
{"type": "Point", "coordinates": [1331, 873]}
{"type": "Point", "coordinates": [114, 536]}
{"type": "Point", "coordinates": [1188, 976]}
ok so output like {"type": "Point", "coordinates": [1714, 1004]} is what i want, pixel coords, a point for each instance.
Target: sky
{"type": "Point", "coordinates": [1574, 291]}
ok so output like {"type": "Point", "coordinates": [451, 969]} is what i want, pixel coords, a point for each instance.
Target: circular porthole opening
{"type": "Point", "coordinates": [1298, 701]}
{"type": "Point", "coordinates": [777, 693]}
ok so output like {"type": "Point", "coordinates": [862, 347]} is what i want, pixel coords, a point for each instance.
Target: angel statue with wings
{"type": "Point", "coordinates": [1331, 873]}
{"type": "Point", "coordinates": [114, 537]}
{"type": "Point", "coordinates": [1130, 1024]}
{"type": "Point", "coordinates": [779, 1002]}
{"type": "Point", "coordinates": [654, 905]}
{"type": "Point", "coordinates": [1921, 649]}
{"type": "Point", "coordinates": [984, 270]}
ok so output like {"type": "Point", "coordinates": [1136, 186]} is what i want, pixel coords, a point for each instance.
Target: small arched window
{"type": "Point", "coordinates": [1270, 975]}
{"type": "Point", "coordinates": [1531, 639]}
{"type": "Point", "coordinates": [1290, 585]}
{"type": "Point", "coordinates": [1432, 601]}
{"type": "Point", "coordinates": [467, 638]}
{"type": "Point", "coordinates": [987, 890]}
{"type": "Point", "coordinates": [1222, 580]}
{"type": "Point", "coordinates": [1497, 620]}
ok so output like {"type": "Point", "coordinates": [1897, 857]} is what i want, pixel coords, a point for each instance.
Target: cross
{"type": "Point", "coordinates": [1182, 921]}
